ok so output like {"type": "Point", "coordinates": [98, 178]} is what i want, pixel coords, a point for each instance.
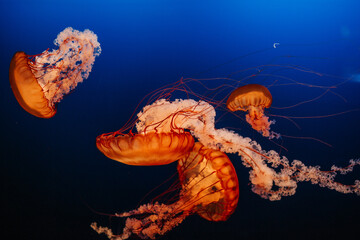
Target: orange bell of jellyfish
{"type": "Point", "coordinates": [26, 88]}
{"type": "Point", "coordinates": [209, 183]}
{"type": "Point", "coordinates": [146, 149]}
{"type": "Point", "coordinates": [252, 98]}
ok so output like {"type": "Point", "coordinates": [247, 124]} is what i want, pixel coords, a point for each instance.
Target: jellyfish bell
{"type": "Point", "coordinates": [27, 90]}
{"type": "Point", "coordinates": [209, 183]}
{"type": "Point", "coordinates": [209, 188]}
{"type": "Point", "coordinates": [40, 81]}
{"type": "Point", "coordinates": [252, 98]}
{"type": "Point", "coordinates": [160, 137]}
{"type": "Point", "coordinates": [145, 149]}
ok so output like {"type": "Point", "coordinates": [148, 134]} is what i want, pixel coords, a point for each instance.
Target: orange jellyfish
{"type": "Point", "coordinates": [209, 187]}
{"type": "Point", "coordinates": [39, 82]}
{"type": "Point", "coordinates": [252, 98]}
{"type": "Point", "coordinates": [145, 149]}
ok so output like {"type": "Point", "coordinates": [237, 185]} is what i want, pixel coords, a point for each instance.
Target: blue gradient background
{"type": "Point", "coordinates": [51, 170]}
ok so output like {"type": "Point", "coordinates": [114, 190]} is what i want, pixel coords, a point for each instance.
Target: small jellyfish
{"type": "Point", "coordinates": [252, 98]}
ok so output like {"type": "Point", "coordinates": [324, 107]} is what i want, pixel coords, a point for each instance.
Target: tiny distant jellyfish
{"type": "Point", "coordinates": [209, 188]}
{"type": "Point", "coordinates": [253, 98]}
{"type": "Point", "coordinates": [40, 81]}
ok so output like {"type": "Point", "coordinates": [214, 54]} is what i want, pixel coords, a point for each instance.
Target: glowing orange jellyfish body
{"type": "Point", "coordinates": [41, 81]}
{"type": "Point", "coordinates": [145, 149]}
{"type": "Point", "coordinates": [209, 183]}
{"type": "Point", "coordinates": [209, 187]}
{"type": "Point", "coordinates": [27, 90]}
{"type": "Point", "coordinates": [252, 98]}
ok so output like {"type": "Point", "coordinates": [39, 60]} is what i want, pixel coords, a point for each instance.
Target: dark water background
{"type": "Point", "coordinates": [51, 170]}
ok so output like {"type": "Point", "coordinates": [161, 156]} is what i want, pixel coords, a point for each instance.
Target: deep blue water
{"type": "Point", "coordinates": [51, 170]}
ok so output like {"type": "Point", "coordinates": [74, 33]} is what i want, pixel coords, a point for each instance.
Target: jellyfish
{"type": "Point", "coordinates": [272, 176]}
{"type": "Point", "coordinates": [147, 148]}
{"type": "Point", "coordinates": [253, 98]}
{"type": "Point", "coordinates": [209, 188]}
{"type": "Point", "coordinates": [40, 81]}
